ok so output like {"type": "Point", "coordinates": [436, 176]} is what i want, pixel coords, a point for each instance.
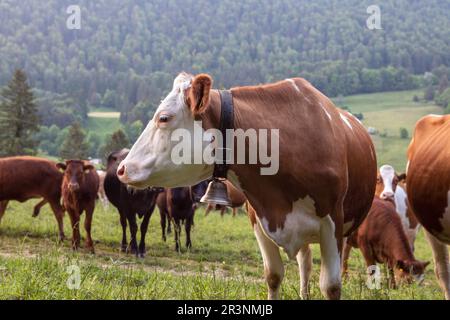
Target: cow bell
{"type": "Point", "coordinates": [216, 193]}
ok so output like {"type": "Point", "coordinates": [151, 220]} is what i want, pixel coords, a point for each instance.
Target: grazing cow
{"type": "Point", "coordinates": [24, 178]}
{"type": "Point", "coordinates": [130, 203]}
{"type": "Point", "coordinates": [101, 189]}
{"type": "Point", "coordinates": [324, 185]}
{"type": "Point", "coordinates": [179, 205]}
{"type": "Point", "coordinates": [382, 239]}
{"type": "Point", "coordinates": [237, 199]}
{"type": "Point", "coordinates": [79, 191]}
{"type": "Point", "coordinates": [390, 186]}
{"type": "Point", "coordinates": [428, 183]}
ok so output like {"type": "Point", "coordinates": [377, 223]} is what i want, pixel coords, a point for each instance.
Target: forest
{"type": "Point", "coordinates": [125, 55]}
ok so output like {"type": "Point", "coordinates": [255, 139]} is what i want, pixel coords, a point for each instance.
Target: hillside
{"type": "Point", "coordinates": [128, 52]}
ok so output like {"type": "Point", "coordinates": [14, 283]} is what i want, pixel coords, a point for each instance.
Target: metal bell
{"type": "Point", "coordinates": [216, 193]}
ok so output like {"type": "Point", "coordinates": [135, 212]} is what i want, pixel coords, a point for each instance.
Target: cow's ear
{"type": "Point", "coordinates": [61, 166]}
{"type": "Point", "coordinates": [199, 93]}
{"type": "Point", "coordinates": [88, 167]}
{"type": "Point", "coordinates": [401, 177]}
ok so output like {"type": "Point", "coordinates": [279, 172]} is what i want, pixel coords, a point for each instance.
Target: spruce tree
{"type": "Point", "coordinates": [19, 119]}
{"type": "Point", "coordinates": [75, 145]}
{"type": "Point", "coordinates": [117, 141]}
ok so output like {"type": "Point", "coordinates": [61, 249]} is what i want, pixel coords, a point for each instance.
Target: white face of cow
{"type": "Point", "coordinates": [149, 162]}
{"type": "Point", "coordinates": [388, 176]}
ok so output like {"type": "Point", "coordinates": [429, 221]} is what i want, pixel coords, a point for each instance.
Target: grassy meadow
{"type": "Point", "coordinates": [224, 262]}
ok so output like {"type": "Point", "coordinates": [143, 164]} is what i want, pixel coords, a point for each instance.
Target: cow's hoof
{"type": "Point", "coordinates": [123, 249]}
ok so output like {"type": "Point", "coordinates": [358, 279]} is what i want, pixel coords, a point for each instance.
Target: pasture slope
{"type": "Point", "coordinates": [221, 265]}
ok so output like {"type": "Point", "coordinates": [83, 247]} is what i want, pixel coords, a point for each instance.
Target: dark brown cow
{"type": "Point", "coordinates": [24, 178]}
{"type": "Point", "coordinates": [319, 187]}
{"type": "Point", "coordinates": [79, 191]}
{"type": "Point", "coordinates": [179, 204]}
{"type": "Point", "coordinates": [382, 239]}
{"type": "Point", "coordinates": [130, 203]}
{"type": "Point", "coordinates": [237, 199]}
{"type": "Point", "coordinates": [428, 184]}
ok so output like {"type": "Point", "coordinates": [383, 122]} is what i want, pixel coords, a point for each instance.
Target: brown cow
{"type": "Point", "coordinates": [23, 178]}
{"type": "Point", "coordinates": [317, 187]}
{"type": "Point", "coordinates": [237, 199]}
{"type": "Point", "coordinates": [382, 239]}
{"type": "Point", "coordinates": [79, 191]}
{"type": "Point", "coordinates": [428, 183]}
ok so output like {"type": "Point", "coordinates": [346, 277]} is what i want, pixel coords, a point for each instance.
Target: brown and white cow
{"type": "Point", "coordinates": [325, 181]}
{"type": "Point", "coordinates": [382, 239]}
{"type": "Point", "coordinates": [391, 186]}
{"type": "Point", "coordinates": [101, 189]}
{"type": "Point", "coordinates": [79, 190]}
{"type": "Point", "coordinates": [23, 178]}
{"type": "Point", "coordinates": [428, 183]}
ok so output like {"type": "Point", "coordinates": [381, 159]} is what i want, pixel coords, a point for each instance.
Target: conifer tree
{"type": "Point", "coordinates": [19, 119]}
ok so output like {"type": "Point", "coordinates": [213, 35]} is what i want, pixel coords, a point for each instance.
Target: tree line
{"type": "Point", "coordinates": [22, 132]}
{"type": "Point", "coordinates": [126, 55]}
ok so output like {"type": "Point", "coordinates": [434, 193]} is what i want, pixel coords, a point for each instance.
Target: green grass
{"type": "Point", "coordinates": [221, 265]}
{"type": "Point", "coordinates": [388, 112]}
{"type": "Point", "coordinates": [224, 262]}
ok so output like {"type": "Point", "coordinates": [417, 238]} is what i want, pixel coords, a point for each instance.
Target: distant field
{"type": "Point", "coordinates": [388, 112]}
{"type": "Point", "coordinates": [103, 123]}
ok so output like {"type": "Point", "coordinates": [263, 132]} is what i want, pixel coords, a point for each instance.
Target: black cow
{"type": "Point", "coordinates": [179, 205]}
{"type": "Point", "coordinates": [129, 202]}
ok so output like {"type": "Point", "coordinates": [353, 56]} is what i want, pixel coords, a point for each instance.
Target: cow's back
{"type": "Point", "coordinates": [362, 173]}
{"type": "Point", "coordinates": [428, 176]}
{"type": "Point", "coordinates": [22, 178]}
{"type": "Point", "coordinates": [324, 153]}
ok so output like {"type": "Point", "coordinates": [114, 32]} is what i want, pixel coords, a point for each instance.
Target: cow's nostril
{"type": "Point", "coordinates": [121, 171]}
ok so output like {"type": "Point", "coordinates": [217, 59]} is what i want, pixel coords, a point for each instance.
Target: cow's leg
{"type": "Point", "coordinates": [187, 228]}
{"type": "Point", "coordinates": [304, 259]}
{"type": "Point", "coordinates": [88, 226]}
{"type": "Point", "coordinates": [75, 222]}
{"type": "Point", "coordinates": [58, 211]}
{"type": "Point", "coordinates": [273, 265]}
{"type": "Point", "coordinates": [131, 217]}
{"type": "Point", "coordinates": [37, 208]}
{"type": "Point", "coordinates": [177, 228]}
{"type": "Point", "coordinates": [123, 223]}
{"type": "Point", "coordinates": [163, 221]}
{"type": "Point", "coordinates": [144, 228]}
{"type": "Point", "coordinates": [208, 209]}
{"type": "Point", "coordinates": [3, 205]}
{"type": "Point", "coordinates": [330, 269]}
{"type": "Point", "coordinates": [441, 263]}
{"type": "Point", "coordinates": [234, 211]}
{"type": "Point", "coordinates": [169, 223]}
{"type": "Point", "coordinates": [345, 256]}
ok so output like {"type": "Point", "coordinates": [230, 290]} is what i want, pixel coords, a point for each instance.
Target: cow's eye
{"type": "Point", "coordinates": [164, 118]}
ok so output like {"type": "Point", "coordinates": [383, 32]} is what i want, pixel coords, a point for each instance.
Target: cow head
{"type": "Point", "coordinates": [75, 172]}
{"type": "Point", "coordinates": [149, 162]}
{"type": "Point", "coordinates": [409, 270]}
{"type": "Point", "coordinates": [114, 159]}
{"type": "Point", "coordinates": [387, 182]}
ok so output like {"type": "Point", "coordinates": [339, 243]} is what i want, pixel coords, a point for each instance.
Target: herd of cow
{"type": "Point", "coordinates": [328, 189]}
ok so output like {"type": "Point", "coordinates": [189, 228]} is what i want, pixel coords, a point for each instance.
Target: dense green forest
{"type": "Point", "coordinates": [127, 53]}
